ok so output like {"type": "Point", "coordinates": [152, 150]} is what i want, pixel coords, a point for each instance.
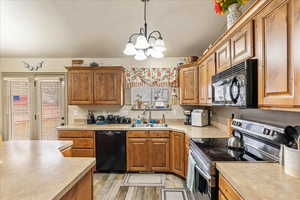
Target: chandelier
{"type": "Point", "coordinates": [141, 45]}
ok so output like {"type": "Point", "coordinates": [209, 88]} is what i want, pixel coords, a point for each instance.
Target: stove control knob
{"type": "Point", "coordinates": [239, 124]}
{"type": "Point", "coordinates": [267, 131]}
{"type": "Point", "coordinates": [273, 133]}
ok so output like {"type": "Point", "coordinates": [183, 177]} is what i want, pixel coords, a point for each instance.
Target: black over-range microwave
{"type": "Point", "coordinates": [236, 86]}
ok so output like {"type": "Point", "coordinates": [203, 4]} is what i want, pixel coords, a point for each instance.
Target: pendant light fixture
{"type": "Point", "coordinates": [141, 45]}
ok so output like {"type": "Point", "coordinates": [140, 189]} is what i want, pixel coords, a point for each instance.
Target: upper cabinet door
{"type": "Point", "coordinates": [189, 85]}
{"type": "Point", "coordinates": [203, 84]}
{"type": "Point", "coordinates": [242, 44]}
{"type": "Point", "coordinates": [223, 57]}
{"type": "Point", "coordinates": [211, 71]}
{"type": "Point", "coordinates": [80, 87]}
{"type": "Point", "coordinates": [108, 87]}
{"type": "Point", "coordinates": [276, 71]}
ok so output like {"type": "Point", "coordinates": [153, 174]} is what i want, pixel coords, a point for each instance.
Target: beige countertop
{"type": "Point", "coordinates": [36, 170]}
{"type": "Point", "coordinates": [191, 131]}
{"type": "Point", "coordinates": [265, 181]}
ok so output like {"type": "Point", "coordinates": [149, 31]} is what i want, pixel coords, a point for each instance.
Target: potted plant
{"type": "Point", "coordinates": [230, 6]}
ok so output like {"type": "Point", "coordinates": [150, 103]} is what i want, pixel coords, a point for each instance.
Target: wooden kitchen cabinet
{"type": "Point", "coordinates": [108, 86]}
{"type": "Point", "coordinates": [159, 154]}
{"type": "Point", "coordinates": [186, 154]}
{"type": "Point", "coordinates": [83, 142]}
{"type": "Point", "coordinates": [80, 87]}
{"type": "Point", "coordinates": [207, 69]}
{"type": "Point", "coordinates": [226, 191]}
{"type": "Point", "coordinates": [211, 71]}
{"type": "Point", "coordinates": [148, 151]}
{"type": "Point", "coordinates": [138, 154]}
{"type": "Point", "coordinates": [83, 189]}
{"type": "Point", "coordinates": [242, 44]}
{"type": "Point", "coordinates": [67, 152]}
{"type": "Point", "coordinates": [223, 57]}
{"type": "Point", "coordinates": [178, 153]}
{"type": "Point", "coordinates": [203, 84]}
{"type": "Point", "coordinates": [96, 85]}
{"type": "Point", "coordinates": [275, 46]}
{"type": "Point", "coordinates": [188, 84]}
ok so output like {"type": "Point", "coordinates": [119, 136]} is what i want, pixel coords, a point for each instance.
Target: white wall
{"type": "Point", "coordinates": [58, 65]}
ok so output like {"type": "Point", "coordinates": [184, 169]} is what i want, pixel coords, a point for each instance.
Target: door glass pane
{"type": "Point", "coordinates": [18, 109]}
{"type": "Point", "coordinates": [50, 103]}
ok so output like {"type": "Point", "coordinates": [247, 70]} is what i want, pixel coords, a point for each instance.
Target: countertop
{"type": "Point", "coordinates": [36, 170]}
{"type": "Point", "coordinates": [266, 181]}
{"type": "Point", "coordinates": [191, 131]}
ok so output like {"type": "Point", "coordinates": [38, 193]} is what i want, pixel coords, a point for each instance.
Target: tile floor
{"type": "Point", "coordinates": [110, 186]}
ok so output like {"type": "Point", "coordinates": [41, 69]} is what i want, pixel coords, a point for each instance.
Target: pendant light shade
{"type": "Point", "coordinates": [129, 49]}
{"type": "Point", "coordinates": [140, 55]}
{"type": "Point", "coordinates": [141, 42]}
{"type": "Point", "coordinates": [160, 45]}
{"type": "Point", "coordinates": [157, 54]}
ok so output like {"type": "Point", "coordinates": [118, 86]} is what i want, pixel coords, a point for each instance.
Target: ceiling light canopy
{"type": "Point", "coordinates": [141, 45]}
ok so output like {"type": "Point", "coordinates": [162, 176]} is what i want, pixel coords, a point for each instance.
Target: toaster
{"type": "Point", "coordinates": [199, 117]}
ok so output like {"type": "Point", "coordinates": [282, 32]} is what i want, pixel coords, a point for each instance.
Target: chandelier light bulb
{"type": "Point", "coordinates": [129, 49]}
{"type": "Point", "coordinates": [140, 55]}
{"type": "Point", "coordinates": [141, 42]}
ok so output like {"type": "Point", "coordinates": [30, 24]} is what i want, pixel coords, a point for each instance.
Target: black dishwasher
{"type": "Point", "coordinates": [111, 151]}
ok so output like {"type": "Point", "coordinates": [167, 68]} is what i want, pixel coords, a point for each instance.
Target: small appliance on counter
{"type": "Point", "coordinates": [187, 114]}
{"type": "Point", "coordinates": [199, 117]}
{"type": "Point", "coordinates": [91, 118]}
{"type": "Point", "coordinates": [112, 119]}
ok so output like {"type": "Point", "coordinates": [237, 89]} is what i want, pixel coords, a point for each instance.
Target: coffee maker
{"type": "Point", "coordinates": [188, 118]}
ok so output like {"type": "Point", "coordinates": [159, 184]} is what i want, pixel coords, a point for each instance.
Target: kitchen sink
{"type": "Point", "coordinates": [149, 125]}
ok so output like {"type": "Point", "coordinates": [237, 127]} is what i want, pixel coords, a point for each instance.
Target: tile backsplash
{"type": "Point", "coordinates": [77, 113]}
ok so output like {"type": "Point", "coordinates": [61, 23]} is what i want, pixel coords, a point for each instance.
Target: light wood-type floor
{"type": "Point", "coordinates": [108, 186]}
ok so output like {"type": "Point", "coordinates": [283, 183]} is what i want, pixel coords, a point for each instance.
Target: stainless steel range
{"type": "Point", "coordinates": [261, 142]}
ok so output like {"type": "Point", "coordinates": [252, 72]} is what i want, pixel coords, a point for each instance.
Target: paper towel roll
{"type": "Point", "coordinates": [292, 161]}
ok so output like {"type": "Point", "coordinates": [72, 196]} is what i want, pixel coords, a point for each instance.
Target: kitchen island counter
{"type": "Point", "coordinates": [260, 180]}
{"type": "Point", "coordinates": [35, 170]}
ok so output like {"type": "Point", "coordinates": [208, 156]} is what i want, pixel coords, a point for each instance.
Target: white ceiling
{"type": "Point", "coordinates": [100, 28]}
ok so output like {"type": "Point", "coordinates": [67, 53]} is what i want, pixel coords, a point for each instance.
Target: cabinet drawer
{"type": "Point", "coordinates": [83, 143]}
{"type": "Point", "coordinates": [159, 134]}
{"type": "Point", "coordinates": [137, 134]}
{"type": "Point", "coordinates": [82, 152]}
{"type": "Point", "coordinates": [75, 134]}
{"type": "Point", "coordinates": [228, 191]}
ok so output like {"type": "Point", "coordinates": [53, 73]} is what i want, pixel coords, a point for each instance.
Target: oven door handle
{"type": "Point", "coordinates": [211, 181]}
{"type": "Point", "coordinates": [207, 177]}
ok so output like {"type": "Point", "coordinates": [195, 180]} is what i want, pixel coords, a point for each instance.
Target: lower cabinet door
{"type": "Point", "coordinates": [159, 154]}
{"type": "Point", "coordinates": [177, 153]}
{"type": "Point", "coordinates": [137, 154]}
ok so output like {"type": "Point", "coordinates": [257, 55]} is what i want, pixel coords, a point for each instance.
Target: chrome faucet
{"type": "Point", "coordinates": [149, 115]}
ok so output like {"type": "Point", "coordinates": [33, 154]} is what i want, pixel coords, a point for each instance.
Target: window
{"type": "Point", "coordinates": [150, 97]}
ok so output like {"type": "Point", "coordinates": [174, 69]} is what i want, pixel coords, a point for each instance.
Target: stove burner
{"type": "Point", "coordinates": [217, 150]}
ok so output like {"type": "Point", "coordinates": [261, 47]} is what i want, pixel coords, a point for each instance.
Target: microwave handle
{"type": "Point", "coordinates": [235, 81]}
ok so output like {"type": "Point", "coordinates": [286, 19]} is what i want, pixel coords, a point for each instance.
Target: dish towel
{"type": "Point", "coordinates": [190, 180]}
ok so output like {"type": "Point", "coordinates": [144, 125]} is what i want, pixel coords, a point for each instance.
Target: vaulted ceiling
{"type": "Point", "coordinates": [100, 28]}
